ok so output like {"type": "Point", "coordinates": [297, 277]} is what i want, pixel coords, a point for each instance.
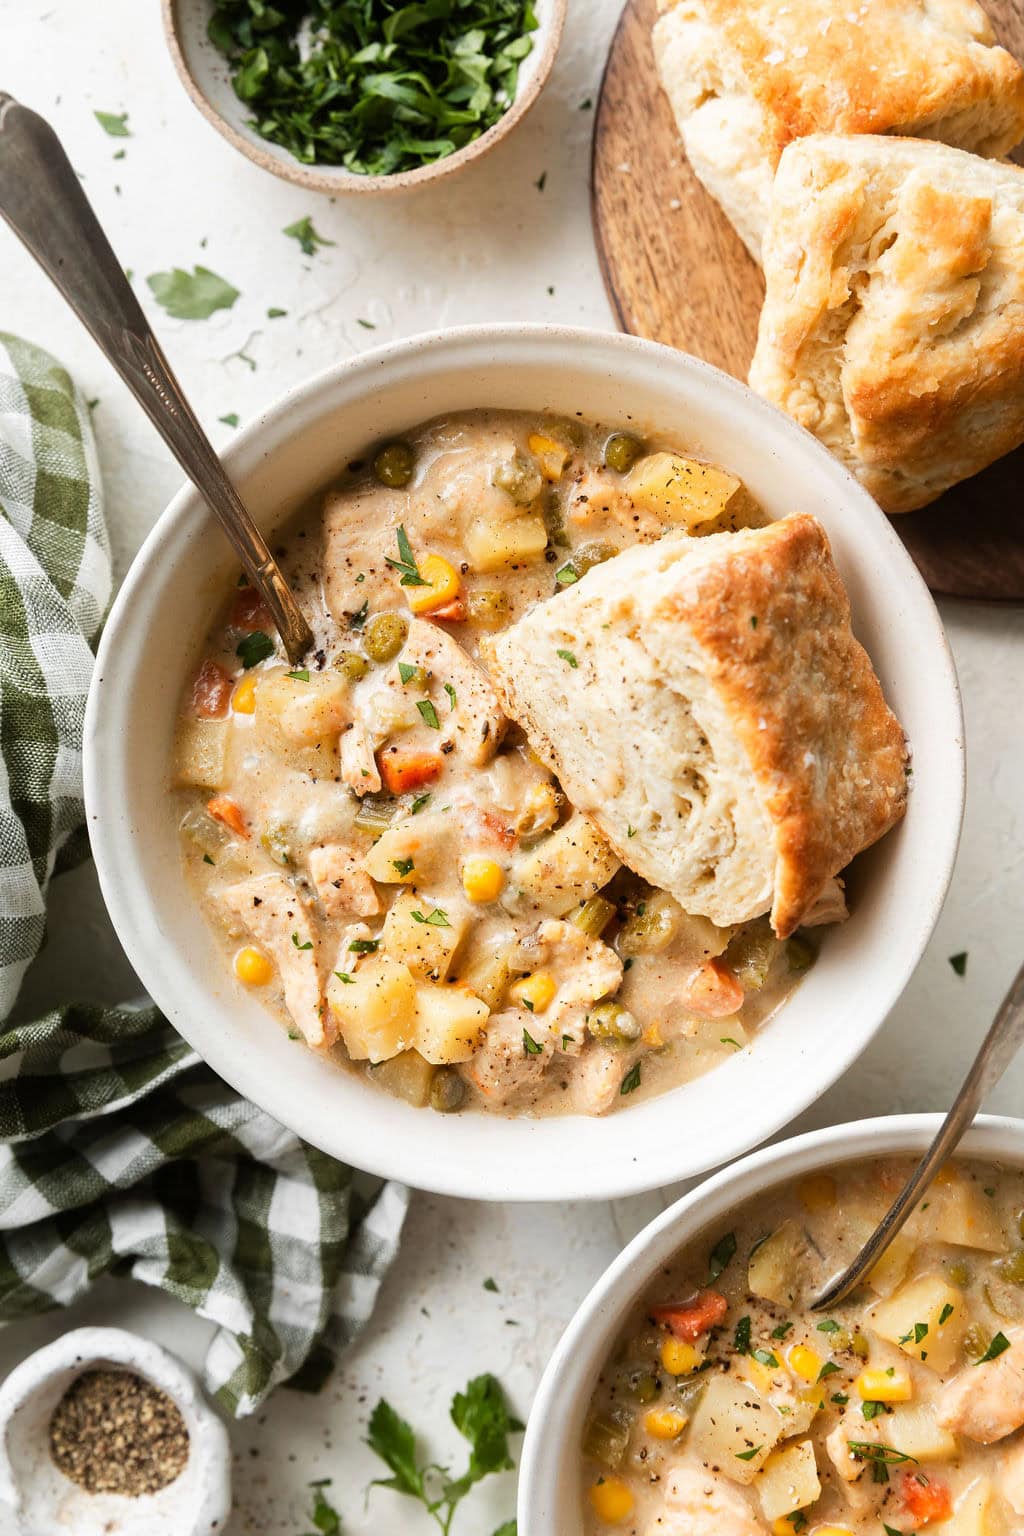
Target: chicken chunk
{"type": "Point", "coordinates": [986, 1402]}
{"type": "Point", "coordinates": [276, 918]}
{"type": "Point", "coordinates": [358, 764]}
{"type": "Point", "coordinates": [583, 969]}
{"type": "Point", "coordinates": [862, 1493]}
{"type": "Point", "coordinates": [475, 713]}
{"type": "Point", "coordinates": [698, 1503]}
{"type": "Point", "coordinates": [502, 1069]}
{"type": "Point", "coordinates": [356, 541]}
{"type": "Point", "coordinates": [598, 1077]}
{"type": "Point", "coordinates": [342, 883]}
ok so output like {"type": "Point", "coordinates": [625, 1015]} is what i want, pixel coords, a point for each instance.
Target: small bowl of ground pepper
{"type": "Point", "coordinates": [365, 97]}
{"type": "Point", "coordinates": [106, 1434]}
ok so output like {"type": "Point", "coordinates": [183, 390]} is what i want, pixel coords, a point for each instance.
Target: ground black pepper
{"type": "Point", "coordinates": [113, 1432]}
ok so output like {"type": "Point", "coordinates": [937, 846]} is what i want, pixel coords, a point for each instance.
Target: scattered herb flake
{"type": "Point", "coordinates": [828, 1326]}
{"type": "Point", "coordinates": [765, 1357]}
{"type": "Point", "coordinates": [946, 1314]}
{"type": "Point", "coordinates": [364, 946]}
{"type": "Point", "coordinates": [959, 962]}
{"type": "Point", "coordinates": [429, 713]}
{"type": "Point", "coordinates": [230, 420]}
{"type": "Point", "coordinates": [631, 1081]}
{"type": "Point", "coordinates": [450, 691]}
{"type": "Point", "coordinates": [419, 802]}
{"type": "Point", "coordinates": [781, 1331]}
{"type": "Point", "coordinates": [301, 676]}
{"type": "Point", "coordinates": [207, 859]}
{"type": "Point", "coordinates": [409, 575]}
{"type": "Point", "coordinates": [721, 1255]}
{"type": "Point", "coordinates": [565, 576]}
{"type": "Point", "coordinates": [358, 619]}
{"type": "Point", "coordinates": [114, 123]}
{"type": "Point", "coordinates": [302, 231]}
{"type": "Point", "coordinates": [323, 1514]}
{"type": "Point", "coordinates": [367, 325]}
{"type": "Point", "coordinates": [436, 919]}
{"type": "Point", "coordinates": [569, 657]}
{"type": "Point", "coordinates": [276, 314]}
{"type": "Point", "coordinates": [530, 1046]}
{"type": "Point", "coordinates": [490, 1284]}
{"type": "Point", "coordinates": [1000, 1343]}
{"type": "Point", "coordinates": [871, 1409]}
{"type": "Point", "coordinates": [542, 181]}
{"type": "Point", "coordinates": [344, 976]}
{"type": "Point", "coordinates": [741, 1338]}
{"type": "Point", "coordinates": [828, 1369]}
{"type": "Point", "coordinates": [254, 648]}
{"type": "Point", "coordinates": [403, 866]}
{"type": "Point", "coordinates": [749, 1455]}
{"type": "Point", "coordinates": [194, 295]}
{"type": "Point", "coordinates": [295, 940]}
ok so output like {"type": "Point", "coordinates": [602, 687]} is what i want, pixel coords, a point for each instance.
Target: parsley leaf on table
{"type": "Point", "coordinates": [302, 231]}
{"type": "Point", "coordinates": [114, 123]}
{"type": "Point", "coordinates": [191, 295]}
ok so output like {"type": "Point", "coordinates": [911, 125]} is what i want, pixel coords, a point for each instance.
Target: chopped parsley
{"type": "Point", "coordinates": [194, 295]}
{"type": "Point", "coordinates": [407, 671]}
{"type": "Point", "coordinates": [749, 1455]}
{"type": "Point", "coordinates": [946, 1314]}
{"type": "Point", "coordinates": [436, 919]}
{"type": "Point", "coordinates": [364, 946]}
{"type": "Point", "coordinates": [828, 1326]}
{"type": "Point", "coordinates": [429, 713]}
{"type": "Point", "coordinates": [114, 123]}
{"type": "Point", "coordinates": [959, 962]}
{"type": "Point", "coordinates": [530, 1046]}
{"type": "Point", "coordinates": [273, 313]}
{"type": "Point", "coordinates": [402, 866]}
{"type": "Point", "coordinates": [295, 940]}
{"type": "Point", "coordinates": [881, 1457]}
{"type": "Point", "coordinates": [405, 565]}
{"type": "Point", "coordinates": [1000, 1343]}
{"type": "Point", "coordinates": [569, 657]}
{"type": "Point", "coordinates": [254, 648]}
{"type": "Point", "coordinates": [490, 1284]}
{"type": "Point", "coordinates": [721, 1255]}
{"type": "Point", "coordinates": [344, 976]}
{"type": "Point", "coordinates": [828, 1369]}
{"type": "Point", "coordinates": [358, 619]}
{"type": "Point", "coordinates": [452, 695]}
{"type": "Point", "coordinates": [631, 1081]}
{"type": "Point", "coordinates": [872, 1409]}
{"type": "Point", "coordinates": [765, 1357]}
{"type": "Point", "coordinates": [781, 1331]}
{"type": "Point", "coordinates": [565, 575]}
{"type": "Point", "coordinates": [419, 802]}
{"type": "Point", "coordinates": [920, 1330]}
{"type": "Point", "coordinates": [301, 676]}
{"type": "Point", "coordinates": [741, 1338]}
{"type": "Point", "coordinates": [302, 231]}
{"type": "Point", "coordinates": [207, 859]}
{"type": "Point", "coordinates": [230, 420]}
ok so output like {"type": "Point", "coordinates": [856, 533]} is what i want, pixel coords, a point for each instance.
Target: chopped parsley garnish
{"type": "Point", "coordinates": [530, 1046]}
{"type": "Point", "coordinates": [230, 420]}
{"type": "Point", "coordinates": [749, 1455]}
{"type": "Point", "coordinates": [429, 713]}
{"type": "Point", "coordinates": [402, 866]}
{"type": "Point", "coordinates": [207, 859]}
{"type": "Point", "coordinates": [728, 1040]}
{"type": "Point", "coordinates": [364, 946]}
{"type": "Point", "coordinates": [344, 976]}
{"type": "Point", "coordinates": [920, 1331]}
{"type": "Point", "coordinates": [631, 1081]}
{"type": "Point", "coordinates": [568, 1040]}
{"type": "Point", "coordinates": [254, 648]}
{"type": "Point", "coordinates": [781, 1331]}
{"type": "Point", "coordinates": [301, 676]}
{"type": "Point", "coordinates": [358, 619]}
{"type": "Point", "coordinates": [419, 802]}
{"type": "Point", "coordinates": [569, 657]}
{"type": "Point", "coordinates": [840, 1398]}
{"type": "Point", "coordinates": [741, 1338]}
{"type": "Point", "coordinates": [765, 1357]}
{"type": "Point", "coordinates": [566, 575]}
{"type": "Point", "coordinates": [273, 313]}
{"type": "Point", "coordinates": [1000, 1343]}
{"type": "Point", "coordinates": [946, 1313]}
{"type": "Point", "coordinates": [436, 919]}
{"type": "Point", "coordinates": [959, 962]}
{"type": "Point", "coordinates": [872, 1409]}
{"type": "Point", "coordinates": [191, 295]}
{"type": "Point", "coordinates": [452, 695]}
{"type": "Point", "coordinates": [630, 830]}
{"type": "Point", "coordinates": [295, 940]}
{"type": "Point", "coordinates": [405, 565]}
{"type": "Point", "coordinates": [828, 1369]}
{"type": "Point", "coordinates": [367, 325]}
{"type": "Point", "coordinates": [114, 123]}
{"type": "Point", "coordinates": [407, 671]}
{"type": "Point", "coordinates": [721, 1255]}
{"type": "Point", "coordinates": [490, 1285]}
{"type": "Point", "coordinates": [302, 231]}
{"type": "Point", "coordinates": [828, 1326]}
{"type": "Point", "coordinates": [881, 1457]}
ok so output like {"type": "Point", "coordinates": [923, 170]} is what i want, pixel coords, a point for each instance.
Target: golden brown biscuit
{"type": "Point", "coordinates": [747, 77]}
{"type": "Point", "coordinates": [893, 324]}
{"type": "Point", "coordinates": [706, 702]}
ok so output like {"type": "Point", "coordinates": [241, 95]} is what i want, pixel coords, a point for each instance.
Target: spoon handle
{"type": "Point", "coordinates": [42, 200]}
{"type": "Point", "coordinates": [998, 1049]}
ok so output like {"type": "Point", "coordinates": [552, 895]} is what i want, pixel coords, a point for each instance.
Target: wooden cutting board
{"type": "Point", "coordinates": [676, 272]}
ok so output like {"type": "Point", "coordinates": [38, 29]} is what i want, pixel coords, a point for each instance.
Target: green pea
{"type": "Point", "coordinates": [643, 1386]}
{"type": "Point", "coordinates": [589, 555]}
{"type": "Point", "coordinates": [800, 955]}
{"type": "Point", "coordinates": [960, 1275]}
{"type": "Point", "coordinates": [489, 608]}
{"type": "Point", "coordinates": [621, 451]}
{"type": "Point", "coordinates": [610, 1021]}
{"type": "Point", "coordinates": [1012, 1268]}
{"type": "Point", "coordinates": [447, 1091]}
{"type": "Point", "coordinates": [519, 478]}
{"type": "Point", "coordinates": [394, 464]}
{"type": "Point", "coordinates": [352, 665]}
{"type": "Point", "coordinates": [385, 635]}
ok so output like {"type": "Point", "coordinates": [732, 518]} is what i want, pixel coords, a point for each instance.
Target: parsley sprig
{"type": "Point", "coordinates": [405, 565]}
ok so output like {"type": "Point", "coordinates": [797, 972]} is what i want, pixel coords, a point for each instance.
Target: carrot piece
{"type": "Point", "coordinates": [488, 827]}
{"type": "Point", "coordinates": [402, 769]}
{"type": "Point", "coordinates": [713, 991]}
{"type": "Point", "coordinates": [925, 1498]}
{"type": "Point", "coordinates": [211, 691]}
{"type": "Point", "coordinates": [249, 611]}
{"type": "Point", "coordinates": [223, 808]}
{"type": "Point", "coordinates": [451, 613]}
{"type": "Point", "coordinates": [688, 1319]}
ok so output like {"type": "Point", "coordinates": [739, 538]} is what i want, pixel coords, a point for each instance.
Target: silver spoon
{"type": "Point", "coordinates": [998, 1049]}
{"type": "Point", "coordinates": [42, 200]}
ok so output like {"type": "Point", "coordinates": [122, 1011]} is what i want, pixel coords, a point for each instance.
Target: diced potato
{"type": "Point", "coordinates": [734, 1428]}
{"type": "Point", "coordinates": [956, 1211]}
{"type": "Point", "coordinates": [681, 491]}
{"type": "Point", "coordinates": [413, 935]}
{"type": "Point", "coordinates": [200, 758]}
{"type": "Point", "coordinates": [776, 1268]}
{"type": "Point", "coordinates": [927, 1318]}
{"type": "Point", "coordinates": [788, 1481]}
{"type": "Point", "coordinates": [912, 1430]}
{"type": "Point", "coordinates": [375, 1009]}
{"type": "Point", "coordinates": [565, 868]}
{"type": "Point", "coordinates": [891, 1269]}
{"type": "Point", "coordinates": [407, 1076]}
{"type": "Point", "coordinates": [552, 457]}
{"type": "Point", "coordinates": [302, 709]}
{"type": "Point", "coordinates": [491, 545]}
{"type": "Point", "coordinates": [487, 973]}
{"type": "Point", "coordinates": [976, 1514]}
{"type": "Point", "coordinates": [425, 839]}
{"type": "Point", "coordinates": [449, 1023]}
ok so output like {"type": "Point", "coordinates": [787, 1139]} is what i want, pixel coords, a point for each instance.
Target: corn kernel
{"type": "Point", "coordinates": [680, 1358]}
{"type": "Point", "coordinates": [243, 700]}
{"type": "Point", "coordinates": [253, 967]}
{"type": "Point", "coordinates": [442, 584]}
{"type": "Point", "coordinates": [482, 879]}
{"type": "Point", "coordinates": [611, 1500]}
{"type": "Point", "coordinates": [534, 992]}
{"type": "Point", "coordinates": [664, 1423]}
{"type": "Point", "coordinates": [551, 456]}
{"type": "Point", "coordinates": [830, 1530]}
{"type": "Point", "coordinates": [806, 1362]}
{"type": "Point", "coordinates": [817, 1193]}
{"type": "Point", "coordinates": [885, 1386]}
{"type": "Point", "coordinates": [652, 1036]}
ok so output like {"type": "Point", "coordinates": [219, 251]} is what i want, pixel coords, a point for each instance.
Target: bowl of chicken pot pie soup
{"type": "Point", "coordinates": [610, 810]}
{"type": "Point", "coordinates": [697, 1393]}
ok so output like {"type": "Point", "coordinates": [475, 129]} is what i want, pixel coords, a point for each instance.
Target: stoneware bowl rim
{"type": "Point", "coordinates": [549, 1475]}
{"type": "Point", "coordinates": [153, 634]}
{"type": "Point", "coordinates": [534, 75]}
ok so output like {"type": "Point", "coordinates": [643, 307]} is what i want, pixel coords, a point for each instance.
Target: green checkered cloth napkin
{"type": "Point", "coordinates": [120, 1151]}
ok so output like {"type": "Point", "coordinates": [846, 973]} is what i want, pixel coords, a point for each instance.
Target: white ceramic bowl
{"type": "Point", "coordinates": [549, 1476]}
{"type": "Point", "coordinates": [151, 643]}
{"type": "Point", "coordinates": [205, 74]}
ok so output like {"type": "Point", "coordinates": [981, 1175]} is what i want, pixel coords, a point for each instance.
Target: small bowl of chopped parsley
{"type": "Point", "coordinates": [363, 95]}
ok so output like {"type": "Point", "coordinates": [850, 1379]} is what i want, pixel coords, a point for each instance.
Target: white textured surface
{"type": "Point", "coordinates": [489, 245]}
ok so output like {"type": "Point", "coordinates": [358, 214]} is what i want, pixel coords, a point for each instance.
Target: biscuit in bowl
{"type": "Point", "coordinates": [893, 324]}
{"type": "Point", "coordinates": [746, 80]}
